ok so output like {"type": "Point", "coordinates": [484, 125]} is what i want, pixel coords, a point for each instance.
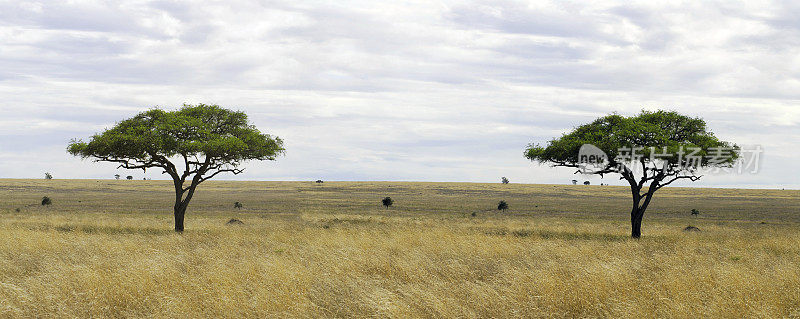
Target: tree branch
{"type": "Point", "coordinates": [129, 163]}
{"type": "Point", "coordinates": [235, 171]}
{"type": "Point", "coordinates": [692, 178]}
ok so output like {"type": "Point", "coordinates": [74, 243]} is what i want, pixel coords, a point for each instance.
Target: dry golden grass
{"type": "Point", "coordinates": [105, 249]}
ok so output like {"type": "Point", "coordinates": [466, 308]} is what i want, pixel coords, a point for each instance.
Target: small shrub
{"type": "Point", "coordinates": [502, 205]}
{"type": "Point", "coordinates": [48, 176]}
{"type": "Point", "coordinates": [237, 205]}
{"type": "Point", "coordinates": [17, 210]}
{"type": "Point", "coordinates": [319, 181]}
{"type": "Point", "coordinates": [234, 221]}
{"type": "Point", "coordinates": [474, 214]}
{"type": "Point", "coordinates": [46, 201]}
{"type": "Point", "coordinates": [691, 229]}
{"type": "Point", "coordinates": [695, 212]}
{"type": "Point", "coordinates": [130, 178]}
{"type": "Point", "coordinates": [504, 180]}
{"type": "Point", "coordinates": [387, 201]}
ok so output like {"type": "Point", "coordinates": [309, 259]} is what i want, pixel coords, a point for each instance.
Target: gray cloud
{"type": "Point", "coordinates": [418, 90]}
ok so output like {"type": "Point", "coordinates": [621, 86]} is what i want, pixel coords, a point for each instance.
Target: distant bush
{"type": "Point", "coordinates": [695, 212]}
{"type": "Point", "coordinates": [237, 205]}
{"type": "Point", "coordinates": [234, 221]}
{"type": "Point", "coordinates": [17, 210]}
{"type": "Point", "coordinates": [387, 201]}
{"type": "Point", "coordinates": [502, 205]}
{"type": "Point", "coordinates": [319, 181]}
{"type": "Point", "coordinates": [48, 176]}
{"type": "Point", "coordinates": [46, 201]}
{"type": "Point", "coordinates": [130, 178]}
{"type": "Point", "coordinates": [691, 229]}
{"type": "Point", "coordinates": [504, 180]}
{"type": "Point", "coordinates": [116, 176]}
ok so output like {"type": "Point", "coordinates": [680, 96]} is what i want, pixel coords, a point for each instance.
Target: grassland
{"type": "Point", "coordinates": [106, 249]}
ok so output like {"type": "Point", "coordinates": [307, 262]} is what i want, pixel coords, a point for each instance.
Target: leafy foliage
{"type": "Point", "coordinates": [504, 180]}
{"type": "Point", "coordinates": [387, 201]}
{"type": "Point", "coordinates": [237, 205]}
{"type": "Point", "coordinates": [660, 130]}
{"type": "Point", "coordinates": [502, 205]}
{"type": "Point", "coordinates": [46, 201]}
{"type": "Point", "coordinates": [150, 138]}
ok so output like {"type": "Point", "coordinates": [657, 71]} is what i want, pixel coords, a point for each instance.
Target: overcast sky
{"type": "Point", "coordinates": [393, 90]}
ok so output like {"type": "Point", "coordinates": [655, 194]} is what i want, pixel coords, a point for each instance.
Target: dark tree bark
{"type": "Point", "coordinates": [641, 200]}
{"type": "Point", "coordinates": [179, 214]}
{"type": "Point", "coordinates": [181, 201]}
{"type": "Point", "coordinates": [637, 214]}
{"type": "Point", "coordinates": [636, 224]}
{"type": "Point", "coordinates": [636, 220]}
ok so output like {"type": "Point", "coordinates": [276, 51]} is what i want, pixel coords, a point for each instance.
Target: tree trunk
{"type": "Point", "coordinates": [181, 203]}
{"type": "Point", "coordinates": [637, 212]}
{"type": "Point", "coordinates": [180, 212]}
{"type": "Point", "coordinates": [636, 222]}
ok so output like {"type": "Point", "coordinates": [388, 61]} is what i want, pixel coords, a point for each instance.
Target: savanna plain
{"type": "Point", "coordinates": [105, 248]}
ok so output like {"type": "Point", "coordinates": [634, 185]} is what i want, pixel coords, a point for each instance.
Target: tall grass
{"type": "Point", "coordinates": [101, 267]}
{"type": "Point", "coordinates": [325, 252]}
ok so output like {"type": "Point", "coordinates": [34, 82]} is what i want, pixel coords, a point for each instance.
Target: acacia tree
{"type": "Point", "coordinates": [191, 145]}
{"type": "Point", "coordinates": [650, 151]}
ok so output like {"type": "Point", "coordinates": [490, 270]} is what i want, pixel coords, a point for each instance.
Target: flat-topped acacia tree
{"type": "Point", "coordinates": [663, 146]}
{"type": "Point", "coordinates": [204, 141]}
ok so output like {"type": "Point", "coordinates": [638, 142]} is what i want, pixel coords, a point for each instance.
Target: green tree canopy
{"type": "Point", "coordinates": [206, 140]}
{"type": "Point", "coordinates": [650, 150]}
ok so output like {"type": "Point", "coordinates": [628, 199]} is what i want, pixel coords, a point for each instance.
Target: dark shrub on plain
{"type": "Point", "coordinates": [502, 205]}
{"type": "Point", "coordinates": [387, 201]}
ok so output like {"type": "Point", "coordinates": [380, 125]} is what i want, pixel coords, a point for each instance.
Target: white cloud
{"type": "Point", "coordinates": [406, 90]}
